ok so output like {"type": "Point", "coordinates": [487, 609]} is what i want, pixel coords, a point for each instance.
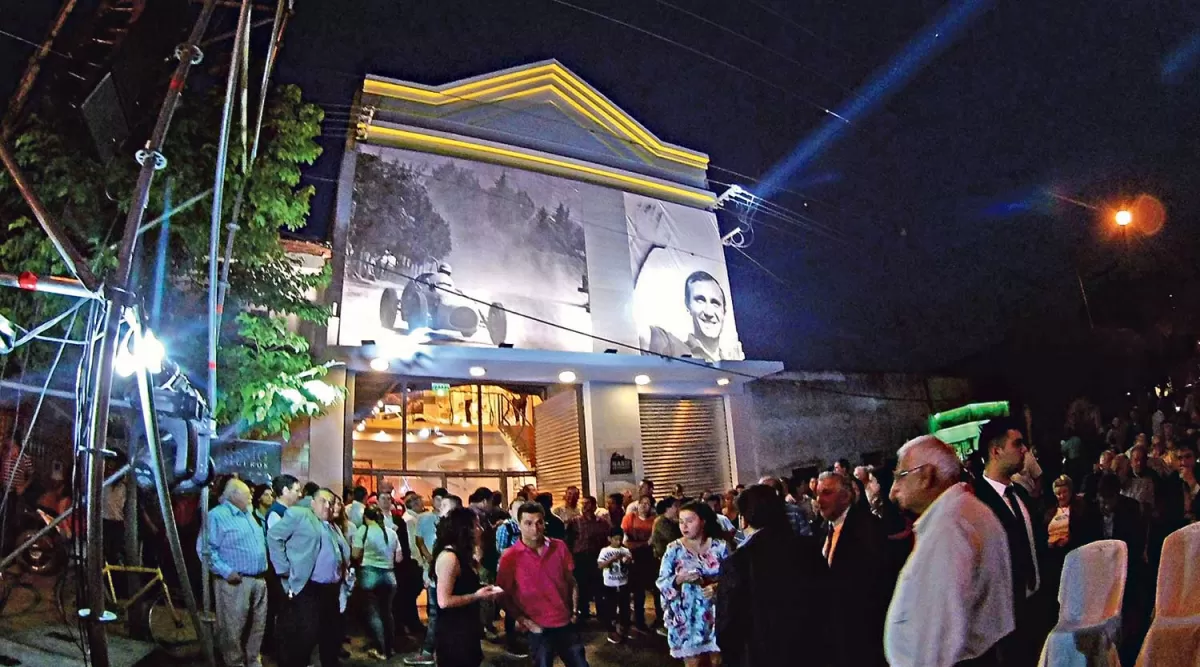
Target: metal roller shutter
{"type": "Point", "coordinates": [556, 430]}
{"type": "Point", "coordinates": [684, 442]}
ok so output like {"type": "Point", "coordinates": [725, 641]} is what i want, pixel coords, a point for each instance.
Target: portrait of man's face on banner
{"type": "Point", "coordinates": [681, 304]}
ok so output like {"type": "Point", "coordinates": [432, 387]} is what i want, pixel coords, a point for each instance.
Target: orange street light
{"type": "Point", "coordinates": [1124, 217]}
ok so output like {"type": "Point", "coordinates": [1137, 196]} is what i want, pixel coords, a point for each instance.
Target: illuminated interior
{"type": "Point", "coordinates": [443, 430]}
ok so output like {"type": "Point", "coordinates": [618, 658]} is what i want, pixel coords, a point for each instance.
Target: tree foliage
{"type": "Point", "coordinates": [393, 214]}
{"type": "Point", "coordinates": [262, 367]}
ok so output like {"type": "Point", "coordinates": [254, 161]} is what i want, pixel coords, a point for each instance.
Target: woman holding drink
{"type": "Point", "coordinates": [687, 580]}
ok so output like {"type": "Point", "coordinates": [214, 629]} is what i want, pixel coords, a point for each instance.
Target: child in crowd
{"type": "Point", "coordinates": [615, 561]}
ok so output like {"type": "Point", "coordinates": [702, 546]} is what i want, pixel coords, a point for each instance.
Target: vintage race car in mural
{"type": "Point", "coordinates": [431, 301]}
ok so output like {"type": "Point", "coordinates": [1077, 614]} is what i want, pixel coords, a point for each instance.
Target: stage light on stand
{"type": "Point", "coordinates": [151, 352]}
{"type": "Point", "coordinates": [139, 352]}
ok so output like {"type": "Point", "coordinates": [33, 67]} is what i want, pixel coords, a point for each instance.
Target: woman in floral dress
{"type": "Point", "coordinates": [687, 580]}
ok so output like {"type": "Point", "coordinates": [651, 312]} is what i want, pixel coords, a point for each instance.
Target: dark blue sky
{"type": "Point", "coordinates": [936, 193]}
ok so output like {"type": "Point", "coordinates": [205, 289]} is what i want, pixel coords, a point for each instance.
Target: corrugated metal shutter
{"type": "Point", "coordinates": [556, 429]}
{"type": "Point", "coordinates": [684, 442]}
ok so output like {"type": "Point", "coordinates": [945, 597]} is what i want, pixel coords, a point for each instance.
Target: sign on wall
{"type": "Point", "coordinates": [476, 253]}
{"type": "Point", "coordinates": [681, 303]}
{"type": "Point", "coordinates": [620, 462]}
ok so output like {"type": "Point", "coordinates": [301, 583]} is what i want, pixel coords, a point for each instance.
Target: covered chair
{"type": "Point", "coordinates": [1174, 636]}
{"type": "Point", "coordinates": [1089, 613]}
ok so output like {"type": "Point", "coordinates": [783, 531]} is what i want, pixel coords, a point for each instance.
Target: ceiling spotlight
{"type": "Point", "coordinates": [477, 371]}
{"type": "Point", "coordinates": [379, 364]}
{"type": "Point", "coordinates": [721, 382]}
{"type": "Point", "coordinates": [566, 377]}
{"type": "Point", "coordinates": [1124, 217]}
{"type": "Point", "coordinates": [641, 379]}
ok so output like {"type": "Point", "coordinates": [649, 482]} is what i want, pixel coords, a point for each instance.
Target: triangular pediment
{"type": "Point", "coordinates": [543, 99]}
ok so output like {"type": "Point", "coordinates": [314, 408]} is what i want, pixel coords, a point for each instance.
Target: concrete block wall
{"type": "Point", "coordinates": [795, 419]}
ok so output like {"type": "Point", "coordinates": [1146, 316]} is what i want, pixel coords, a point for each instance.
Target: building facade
{"type": "Point", "coordinates": [528, 287]}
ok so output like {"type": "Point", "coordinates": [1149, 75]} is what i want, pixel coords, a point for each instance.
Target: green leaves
{"type": "Point", "coordinates": [263, 364]}
{"type": "Point", "coordinates": [270, 376]}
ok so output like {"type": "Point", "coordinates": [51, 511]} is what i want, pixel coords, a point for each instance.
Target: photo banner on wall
{"type": "Point", "coordinates": [470, 251]}
{"type": "Point", "coordinates": [681, 303]}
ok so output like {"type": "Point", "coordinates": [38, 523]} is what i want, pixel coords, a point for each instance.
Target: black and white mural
{"type": "Point", "coordinates": [469, 252]}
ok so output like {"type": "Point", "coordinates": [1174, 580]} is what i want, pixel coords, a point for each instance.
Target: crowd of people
{"type": "Point", "coordinates": [934, 562]}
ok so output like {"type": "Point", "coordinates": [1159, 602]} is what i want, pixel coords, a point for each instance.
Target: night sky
{"type": "Point", "coordinates": [942, 231]}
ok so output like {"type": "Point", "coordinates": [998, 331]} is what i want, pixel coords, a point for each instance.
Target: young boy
{"type": "Point", "coordinates": [615, 561]}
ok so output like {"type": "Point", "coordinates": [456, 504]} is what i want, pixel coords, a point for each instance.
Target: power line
{"type": "Point", "coordinates": [764, 269]}
{"type": "Point", "coordinates": [779, 212]}
{"type": "Point", "coordinates": [800, 27]}
{"type": "Point", "coordinates": [776, 52]}
{"type": "Point", "coordinates": [635, 348]}
{"type": "Point", "coordinates": [774, 210]}
{"type": "Point", "coordinates": [353, 114]}
{"type": "Point", "coordinates": [690, 49]}
{"type": "Point", "coordinates": [35, 44]}
{"type": "Point", "coordinates": [563, 327]}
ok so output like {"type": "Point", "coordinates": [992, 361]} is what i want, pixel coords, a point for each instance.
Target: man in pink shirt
{"type": "Point", "coordinates": [540, 591]}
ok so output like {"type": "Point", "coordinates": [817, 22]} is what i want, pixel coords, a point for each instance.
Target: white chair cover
{"type": "Point", "coordinates": [1089, 613]}
{"type": "Point", "coordinates": [1174, 636]}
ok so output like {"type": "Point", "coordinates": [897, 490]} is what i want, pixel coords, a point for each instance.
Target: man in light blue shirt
{"type": "Point", "coordinates": [238, 559]}
{"type": "Point", "coordinates": [311, 558]}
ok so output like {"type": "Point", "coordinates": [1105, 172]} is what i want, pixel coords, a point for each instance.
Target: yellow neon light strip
{"type": "Point", "coordinates": [575, 105]}
{"type": "Point", "coordinates": [416, 138]}
{"type": "Point", "coordinates": [570, 84]}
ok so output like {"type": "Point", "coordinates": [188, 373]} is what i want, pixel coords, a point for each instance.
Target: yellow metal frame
{"type": "Point", "coordinates": [156, 580]}
{"type": "Point", "coordinates": [549, 77]}
{"type": "Point", "coordinates": [476, 150]}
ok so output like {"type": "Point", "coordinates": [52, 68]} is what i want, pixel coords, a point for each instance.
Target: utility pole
{"type": "Point", "coordinates": [17, 104]}
{"type": "Point", "coordinates": [116, 291]}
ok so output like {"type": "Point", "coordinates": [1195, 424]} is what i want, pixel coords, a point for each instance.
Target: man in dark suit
{"type": "Point", "coordinates": [855, 548]}
{"type": "Point", "coordinates": [1003, 447]}
{"type": "Point", "coordinates": [770, 590]}
{"type": "Point", "coordinates": [1113, 516]}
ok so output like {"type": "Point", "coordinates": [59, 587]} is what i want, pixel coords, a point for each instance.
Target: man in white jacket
{"type": "Point", "coordinates": [953, 601]}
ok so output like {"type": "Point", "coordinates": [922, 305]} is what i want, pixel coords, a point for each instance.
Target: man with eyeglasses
{"type": "Point", "coordinates": [1004, 448]}
{"type": "Point", "coordinates": [953, 600]}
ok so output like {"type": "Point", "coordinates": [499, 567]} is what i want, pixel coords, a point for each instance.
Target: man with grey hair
{"type": "Point", "coordinates": [238, 560]}
{"type": "Point", "coordinates": [953, 602]}
{"type": "Point", "coordinates": [855, 548]}
{"type": "Point", "coordinates": [311, 557]}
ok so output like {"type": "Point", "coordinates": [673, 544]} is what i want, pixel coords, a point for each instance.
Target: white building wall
{"type": "Point", "coordinates": [326, 441]}
{"type": "Point", "coordinates": [611, 425]}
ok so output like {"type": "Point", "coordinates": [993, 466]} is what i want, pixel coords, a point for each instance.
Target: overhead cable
{"type": "Point", "coordinates": [690, 49]}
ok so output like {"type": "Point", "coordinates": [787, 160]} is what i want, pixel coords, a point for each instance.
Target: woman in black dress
{"type": "Point", "coordinates": [456, 575]}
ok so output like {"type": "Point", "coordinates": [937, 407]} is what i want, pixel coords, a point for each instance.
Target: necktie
{"type": "Point", "coordinates": [1024, 552]}
{"type": "Point", "coordinates": [828, 551]}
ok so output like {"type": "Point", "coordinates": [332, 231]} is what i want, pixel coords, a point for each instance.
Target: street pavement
{"type": "Point", "coordinates": [30, 605]}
